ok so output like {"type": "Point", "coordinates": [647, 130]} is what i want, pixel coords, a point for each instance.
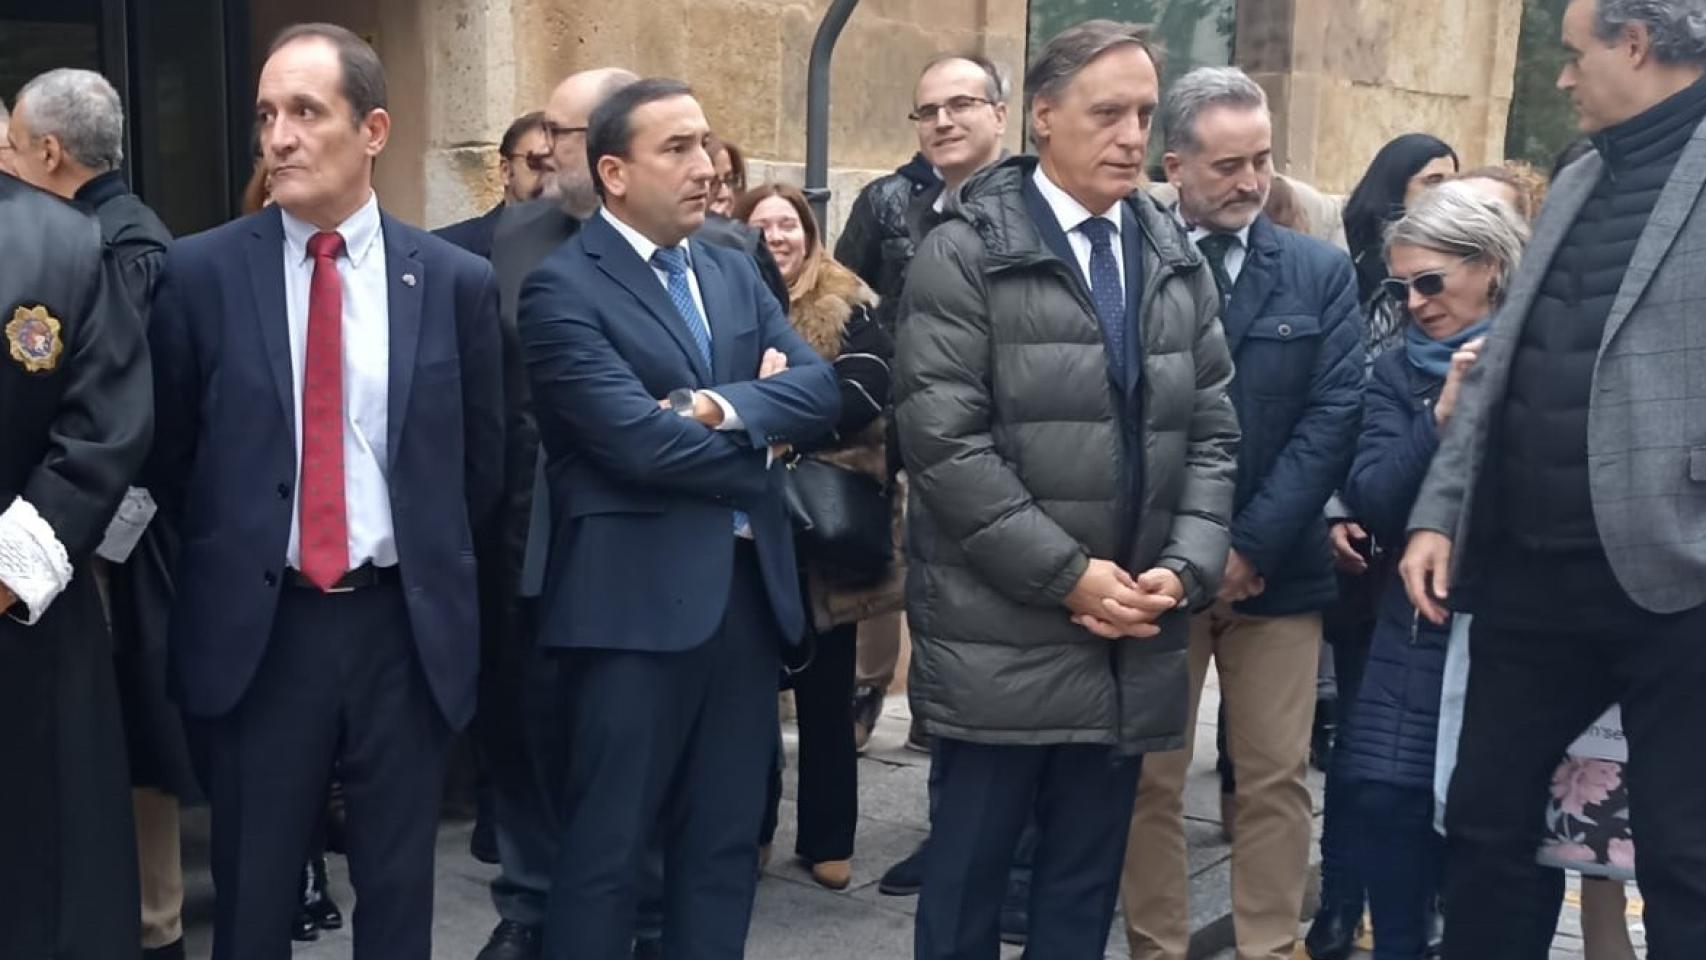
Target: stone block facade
{"type": "Point", "coordinates": [1345, 76]}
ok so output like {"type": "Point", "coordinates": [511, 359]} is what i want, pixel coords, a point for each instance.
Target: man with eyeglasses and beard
{"type": "Point", "coordinates": [525, 165]}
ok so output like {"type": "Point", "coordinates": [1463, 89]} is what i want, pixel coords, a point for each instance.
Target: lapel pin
{"type": "Point", "coordinates": [408, 279]}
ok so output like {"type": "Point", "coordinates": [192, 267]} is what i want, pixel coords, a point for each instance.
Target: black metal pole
{"type": "Point", "coordinates": [817, 107]}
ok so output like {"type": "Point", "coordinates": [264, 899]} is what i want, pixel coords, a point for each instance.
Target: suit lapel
{"type": "Point", "coordinates": [1675, 205]}
{"type": "Point", "coordinates": [619, 261]}
{"type": "Point", "coordinates": [403, 298]}
{"type": "Point", "coordinates": [713, 289]}
{"type": "Point", "coordinates": [1132, 239]}
{"type": "Point", "coordinates": [1255, 283]}
{"type": "Point", "coordinates": [266, 279]}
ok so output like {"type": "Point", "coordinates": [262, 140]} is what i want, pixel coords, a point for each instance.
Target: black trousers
{"type": "Point", "coordinates": [1530, 694]}
{"type": "Point", "coordinates": [340, 683]}
{"type": "Point", "coordinates": [829, 759]}
{"type": "Point", "coordinates": [1349, 629]}
{"type": "Point", "coordinates": [679, 743]}
{"type": "Point", "coordinates": [1082, 798]}
{"type": "Point", "coordinates": [523, 731]}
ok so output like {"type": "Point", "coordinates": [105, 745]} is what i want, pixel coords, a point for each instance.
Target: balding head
{"type": "Point", "coordinates": [566, 115]}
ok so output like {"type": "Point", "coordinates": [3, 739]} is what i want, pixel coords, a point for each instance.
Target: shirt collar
{"type": "Point", "coordinates": [1197, 233]}
{"type": "Point", "coordinates": [641, 243]}
{"type": "Point", "coordinates": [1068, 211]}
{"type": "Point", "coordinates": [359, 232]}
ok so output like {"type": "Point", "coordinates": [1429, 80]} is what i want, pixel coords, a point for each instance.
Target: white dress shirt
{"type": "Point", "coordinates": [367, 372]}
{"type": "Point", "coordinates": [1071, 215]}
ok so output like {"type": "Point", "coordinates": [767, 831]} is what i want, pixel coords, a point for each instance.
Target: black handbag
{"type": "Point", "coordinates": [842, 521]}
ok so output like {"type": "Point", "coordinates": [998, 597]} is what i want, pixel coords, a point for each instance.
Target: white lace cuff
{"type": "Point", "coordinates": [33, 563]}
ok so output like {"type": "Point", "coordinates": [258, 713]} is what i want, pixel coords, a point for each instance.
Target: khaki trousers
{"type": "Point", "coordinates": [879, 650]}
{"type": "Point", "coordinates": [1267, 681]}
{"type": "Point", "coordinates": [161, 865]}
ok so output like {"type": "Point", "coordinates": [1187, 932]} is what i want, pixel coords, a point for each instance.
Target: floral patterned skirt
{"type": "Point", "coordinates": [1587, 814]}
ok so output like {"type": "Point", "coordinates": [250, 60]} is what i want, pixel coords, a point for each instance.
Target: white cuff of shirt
{"type": "Point", "coordinates": [33, 563]}
{"type": "Point", "coordinates": [731, 419]}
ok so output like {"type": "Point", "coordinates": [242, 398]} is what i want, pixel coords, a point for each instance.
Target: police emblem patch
{"type": "Point", "coordinates": [33, 336]}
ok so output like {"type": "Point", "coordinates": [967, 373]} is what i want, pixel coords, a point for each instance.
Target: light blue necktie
{"type": "Point", "coordinates": [1106, 291]}
{"type": "Point", "coordinates": [673, 261]}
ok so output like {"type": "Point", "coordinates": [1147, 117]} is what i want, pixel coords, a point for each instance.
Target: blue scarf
{"type": "Point", "coordinates": [1433, 357]}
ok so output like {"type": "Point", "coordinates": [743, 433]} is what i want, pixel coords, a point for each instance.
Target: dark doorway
{"type": "Point", "coordinates": [183, 79]}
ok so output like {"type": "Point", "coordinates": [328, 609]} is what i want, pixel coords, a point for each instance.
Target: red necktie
{"type": "Point", "coordinates": [323, 527]}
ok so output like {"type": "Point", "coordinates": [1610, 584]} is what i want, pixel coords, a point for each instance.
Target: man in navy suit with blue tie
{"type": "Point", "coordinates": [330, 410]}
{"type": "Point", "coordinates": [666, 381]}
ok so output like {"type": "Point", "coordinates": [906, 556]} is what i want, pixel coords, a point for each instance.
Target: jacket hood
{"type": "Point", "coordinates": [993, 203]}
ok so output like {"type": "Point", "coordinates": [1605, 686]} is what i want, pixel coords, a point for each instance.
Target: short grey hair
{"type": "Point", "coordinates": [1452, 218]}
{"type": "Point", "coordinates": [1199, 90]}
{"type": "Point", "coordinates": [82, 110]}
{"type": "Point", "coordinates": [1074, 48]}
{"type": "Point", "coordinates": [1677, 27]}
{"type": "Point", "coordinates": [997, 85]}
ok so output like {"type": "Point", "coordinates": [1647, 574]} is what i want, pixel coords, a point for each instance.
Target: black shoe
{"type": "Point", "coordinates": [171, 951]}
{"type": "Point", "coordinates": [483, 843]}
{"type": "Point", "coordinates": [511, 941]}
{"type": "Point", "coordinates": [648, 948]}
{"type": "Point", "coordinates": [1333, 935]}
{"type": "Point", "coordinates": [303, 929]}
{"type": "Point", "coordinates": [1324, 735]}
{"type": "Point", "coordinates": [904, 878]}
{"type": "Point", "coordinates": [316, 902]}
{"type": "Point", "coordinates": [867, 708]}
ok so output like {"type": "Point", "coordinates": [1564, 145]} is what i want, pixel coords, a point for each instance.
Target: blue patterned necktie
{"type": "Point", "coordinates": [673, 261]}
{"type": "Point", "coordinates": [1106, 291]}
{"type": "Point", "coordinates": [1216, 247]}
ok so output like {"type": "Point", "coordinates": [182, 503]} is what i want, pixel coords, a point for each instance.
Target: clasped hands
{"type": "Point", "coordinates": [710, 413]}
{"type": "Point", "coordinates": [1112, 604]}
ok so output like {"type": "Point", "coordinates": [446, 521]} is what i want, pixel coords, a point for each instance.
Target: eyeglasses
{"type": "Point", "coordinates": [1429, 284]}
{"type": "Point", "coordinates": [556, 131]}
{"type": "Point", "coordinates": [957, 107]}
{"type": "Point", "coordinates": [537, 162]}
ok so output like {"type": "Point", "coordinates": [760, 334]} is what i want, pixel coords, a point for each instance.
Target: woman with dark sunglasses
{"type": "Point", "coordinates": [1400, 173]}
{"type": "Point", "coordinates": [1450, 258]}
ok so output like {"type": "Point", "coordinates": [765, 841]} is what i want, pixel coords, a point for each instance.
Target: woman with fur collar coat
{"type": "Point", "coordinates": [834, 311]}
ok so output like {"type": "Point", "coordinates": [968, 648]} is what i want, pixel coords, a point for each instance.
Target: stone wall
{"type": "Point", "coordinates": [489, 62]}
{"type": "Point", "coordinates": [1346, 76]}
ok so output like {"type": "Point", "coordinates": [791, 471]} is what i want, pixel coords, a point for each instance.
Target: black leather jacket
{"type": "Point", "coordinates": [889, 218]}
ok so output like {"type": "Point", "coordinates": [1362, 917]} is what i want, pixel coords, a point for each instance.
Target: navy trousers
{"type": "Point", "coordinates": [1081, 796]}
{"type": "Point", "coordinates": [340, 683]}
{"type": "Point", "coordinates": [675, 746]}
{"type": "Point", "coordinates": [1401, 857]}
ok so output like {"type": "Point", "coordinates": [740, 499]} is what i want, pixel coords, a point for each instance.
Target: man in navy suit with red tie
{"type": "Point", "coordinates": [665, 380]}
{"type": "Point", "coordinates": [330, 410]}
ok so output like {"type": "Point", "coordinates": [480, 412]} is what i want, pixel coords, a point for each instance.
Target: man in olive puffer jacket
{"type": "Point", "coordinates": [1072, 452]}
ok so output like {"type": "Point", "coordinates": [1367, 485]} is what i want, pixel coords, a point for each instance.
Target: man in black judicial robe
{"type": "Point", "coordinates": [76, 415]}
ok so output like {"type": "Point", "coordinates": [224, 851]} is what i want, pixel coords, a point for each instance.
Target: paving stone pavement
{"type": "Point", "coordinates": [795, 919]}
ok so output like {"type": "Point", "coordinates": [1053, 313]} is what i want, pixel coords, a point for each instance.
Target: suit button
{"type": "Point", "coordinates": [284, 491]}
{"type": "Point", "coordinates": [270, 578]}
{"type": "Point", "coordinates": [1285, 329]}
